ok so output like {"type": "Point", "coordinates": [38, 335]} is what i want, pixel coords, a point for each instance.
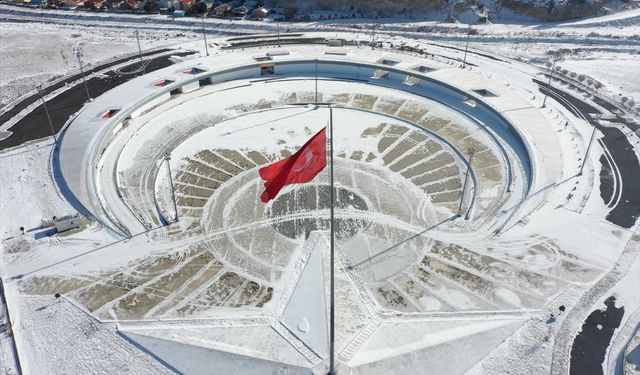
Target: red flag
{"type": "Point", "coordinates": [301, 167]}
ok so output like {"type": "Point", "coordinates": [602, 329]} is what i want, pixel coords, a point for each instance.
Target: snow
{"type": "Point", "coordinates": [508, 296]}
{"type": "Point", "coordinates": [586, 246]}
{"type": "Point", "coordinates": [189, 359]}
{"type": "Point", "coordinates": [8, 355]}
{"type": "Point", "coordinates": [55, 337]}
{"type": "Point", "coordinates": [24, 54]}
{"type": "Point", "coordinates": [294, 124]}
{"type": "Point", "coordinates": [308, 321]}
{"type": "Point", "coordinates": [619, 72]}
{"type": "Point", "coordinates": [626, 291]}
{"type": "Point", "coordinates": [621, 19]}
{"type": "Point", "coordinates": [424, 344]}
{"type": "Point", "coordinates": [627, 294]}
{"type": "Point", "coordinates": [34, 194]}
{"type": "Point", "coordinates": [523, 344]}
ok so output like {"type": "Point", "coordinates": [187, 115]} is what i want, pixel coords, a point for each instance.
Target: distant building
{"type": "Point", "coordinates": [240, 11]}
{"type": "Point", "coordinates": [72, 3]}
{"type": "Point", "coordinates": [185, 5]}
{"type": "Point", "coordinates": [259, 14]}
{"type": "Point", "coordinates": [130, 5]}
{"type": "Point", "coordinates": [201, 7]}
{"type": "Point", "coordinates": [112, 5]}
{"type": "Point", "coordinates": [94, 4]}
{"type": "Point", "coordinates": [32, 2]}
{"type": "Point", "coordinates": [222, 10]}
{"type": "Point", "coordinates": [167, 4]}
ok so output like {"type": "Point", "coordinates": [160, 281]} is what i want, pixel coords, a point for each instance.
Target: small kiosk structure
{"type": "Point", "coordinates": [67, 222]}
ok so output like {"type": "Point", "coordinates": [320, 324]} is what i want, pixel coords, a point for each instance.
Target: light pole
{"type": "Point", "coordinates": [86, 88]}
{"type": "Point", "coordinates": [464, 186]}
{"type": "Point", "coordinates": [466, 47]}
{"type": "Point", "coordinates": [546, 90]}
{"type": "Point", "coordinates": [46, 110]}
{"type": "Point", "coordinates": [586, 152]}
{"type": "Point", "coordinates": [373, 36]}
{"type": "Point", "coordinates": [139, 51]}
{"type": "Point", "coordinates": [167, 158]}
{"type": "Point", "coordinates": [204, 35]}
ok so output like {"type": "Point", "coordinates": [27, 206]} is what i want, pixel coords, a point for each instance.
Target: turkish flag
{"type": "Point", "coordinates": [301, 167]}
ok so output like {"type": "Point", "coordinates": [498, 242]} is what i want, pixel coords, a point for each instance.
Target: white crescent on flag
{"type": "Point", "coordinates": [309, 157]}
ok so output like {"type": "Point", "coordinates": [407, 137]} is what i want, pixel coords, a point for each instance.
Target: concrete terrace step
{"type": "Point", "coordinates": [297, 344]}
{"type": "Point", "coordinates": [360, 338]}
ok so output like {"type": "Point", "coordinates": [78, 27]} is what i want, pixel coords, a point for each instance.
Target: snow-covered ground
{"type": "Point", "coordinates": [46, 52]}
{"type": "Point", "coordinates": [619, 72]}
{"type": "Point", "coordinates": [36, 53]}
{"type": "Point", "coordinates": [55, 336]}
{"type": "Point", "coordinates": [156, 268]}
{"type": "Point", "coordinates": [32, 194]}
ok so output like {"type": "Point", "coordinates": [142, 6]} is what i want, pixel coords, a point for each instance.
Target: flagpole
{"type": "Point", "coordinates": [332, 307]}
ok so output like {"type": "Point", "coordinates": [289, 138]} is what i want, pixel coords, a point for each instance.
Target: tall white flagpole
{"type": "Point", "coordinates": [332, 306]}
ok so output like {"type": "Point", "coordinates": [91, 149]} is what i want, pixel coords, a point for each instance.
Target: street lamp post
{"type": "Point", "coordinates": [139, 50]}
{"type": "Point", "coordinates": [373, 36]}
{"type": "Point", "coordinates": [464, 186]}
{"type": "Point", "coordinates": [546, 90]}
{"type": "Point", "coordinates": [204, 35]}
{"type": "Point", "coordinates": [167, 158]}
{"type": "Point", "coordinates": [86, 88]}
{"type": "Point", "coordinates": [46, 110]}
{"type": "Point", "coordinates": [586, 152]}
{"type": "Point", "coordinates": [464, 59]}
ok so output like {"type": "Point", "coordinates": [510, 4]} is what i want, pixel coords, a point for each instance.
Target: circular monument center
{"type": "Point", "coordinates": [306, 208]}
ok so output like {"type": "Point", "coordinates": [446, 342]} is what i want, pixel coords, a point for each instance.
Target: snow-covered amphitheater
{"type": "Point", "coordinates": [466, 214]}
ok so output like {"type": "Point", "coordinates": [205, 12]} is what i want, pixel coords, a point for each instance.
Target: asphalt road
{"type": "Point", "coordinates": [35, 124]}
{"type": "Point", "coordinates": [45, 91]}
{"type": "Point", "coordinates": [626, 212]}
{"type": "Point", "coordinates": [590, 345]}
